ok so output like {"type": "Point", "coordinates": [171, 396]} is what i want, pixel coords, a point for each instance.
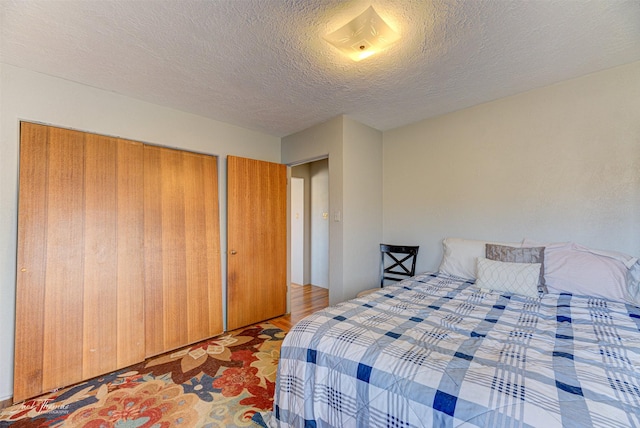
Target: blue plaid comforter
{"type": "Point", "coordinates": [436, 351]}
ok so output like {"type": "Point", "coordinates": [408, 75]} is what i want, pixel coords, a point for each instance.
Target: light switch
{"type": "Point", "coordinates": [337, 216]}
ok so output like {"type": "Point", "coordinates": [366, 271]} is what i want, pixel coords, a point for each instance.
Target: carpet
{"type": "Point", "coordinates": [227, 381]}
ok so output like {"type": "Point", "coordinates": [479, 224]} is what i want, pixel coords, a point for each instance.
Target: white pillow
{"type": "Point", "coordinates": [573, 268]}
{"type": "Point", "coordinates": [459, 258]}
{"type": "Point", "coordinates": [633, 282]}
{"type": "Point", "coordinates": [515, 278]}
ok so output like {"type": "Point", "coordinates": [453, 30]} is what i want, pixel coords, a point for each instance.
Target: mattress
{"type": "Point", "coordinates": [436, 350]}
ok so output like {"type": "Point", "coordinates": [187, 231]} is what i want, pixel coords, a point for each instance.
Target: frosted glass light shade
{"type": "Point", "coordinates": [363, 36]}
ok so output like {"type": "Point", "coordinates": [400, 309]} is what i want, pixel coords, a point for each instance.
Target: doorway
{"type": "Point", "coordinates": [310, 203]}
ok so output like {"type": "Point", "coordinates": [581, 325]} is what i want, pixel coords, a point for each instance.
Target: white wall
{"type": "Point", "coordinates": [556, 163]}
{"type": "Point", "coordinates": [36, 97]}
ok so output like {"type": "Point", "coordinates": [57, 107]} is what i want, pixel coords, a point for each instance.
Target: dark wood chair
{"type": "Point", "coordinates": [397, 262]}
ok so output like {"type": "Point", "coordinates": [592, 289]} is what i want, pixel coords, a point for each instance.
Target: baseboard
{"type": "Point", "coordinates": [6, 403]}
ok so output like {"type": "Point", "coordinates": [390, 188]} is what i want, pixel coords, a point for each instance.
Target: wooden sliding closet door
{"type": "Point", "coordinates": [256, 240]}
{"type": "Point", "coordinates": [183, 293]}
{"type": "Point", "coordinates": [80, 281]}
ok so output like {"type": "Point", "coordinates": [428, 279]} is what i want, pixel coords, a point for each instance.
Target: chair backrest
{"type": "Point", "coordinates": [398, 262]}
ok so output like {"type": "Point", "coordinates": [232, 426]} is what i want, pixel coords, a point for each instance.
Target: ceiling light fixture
{"type": "Point", "coordinates": [363, 36]}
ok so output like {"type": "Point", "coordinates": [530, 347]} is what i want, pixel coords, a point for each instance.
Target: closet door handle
{"type": "Point", "coordinates": [233, 252]}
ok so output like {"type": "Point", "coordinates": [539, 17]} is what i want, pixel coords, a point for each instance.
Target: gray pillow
{"type": "Point", "coordinates": [503, 253]}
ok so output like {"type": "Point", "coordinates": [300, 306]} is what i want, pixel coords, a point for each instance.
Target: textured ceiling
{"type": "Point", "coordinates": [263, 65]}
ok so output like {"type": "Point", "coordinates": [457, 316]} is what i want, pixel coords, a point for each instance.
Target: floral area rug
{"type": "Point", "coordinates": [222, 382]}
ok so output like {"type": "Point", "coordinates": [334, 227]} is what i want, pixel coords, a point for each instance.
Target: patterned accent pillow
{"type": "Point", "coordinates": [516, 278]}
{"type": "Point", "coordinates": [459, 256]}
{"type": "Point", "coordinates": [503, 253]}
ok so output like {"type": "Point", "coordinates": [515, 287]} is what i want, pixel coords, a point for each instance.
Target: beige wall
{"type": "Point", "coordinates": [320, 141]}
{"type": "Point", "coordinates": [556, 163]}
{"type": "Point", "coordinates": [355, 202]}
{"type": "Point", "coordinates": [363, 208]}
{"type": "Point", "coordinates": [36, 97]}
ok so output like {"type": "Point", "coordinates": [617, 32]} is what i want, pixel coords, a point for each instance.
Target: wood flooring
{"type": "Point", "coordinates": [305, 300]}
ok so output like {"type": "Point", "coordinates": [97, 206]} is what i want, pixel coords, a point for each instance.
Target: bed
{"type": "Point", "coordinates": [443, 350]}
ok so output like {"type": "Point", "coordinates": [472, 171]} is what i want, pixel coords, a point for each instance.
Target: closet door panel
{"type": "Point", "coordinates": [64, 260]}
{"type": "Point", "coordinates": [174, 277]}
{"type": "Point", "coordinates": [100, 256]}
{"type": "Point", "coordinates": [153, 292]}
{"type": "Point", "coordinates": [80, 275]}
{"type": "Point", "coordinates": [200, 201]}
{"type": "Point", "coordinates": [32, 208]}
{"type": "Point", "coordinates": [212, 237]}
{"type": "Point", "coordinates": [130, 262]}
{"type": "Point", "coordinates": [113, 266]}
{"type": "Point", "coordinates": [183, 294]}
